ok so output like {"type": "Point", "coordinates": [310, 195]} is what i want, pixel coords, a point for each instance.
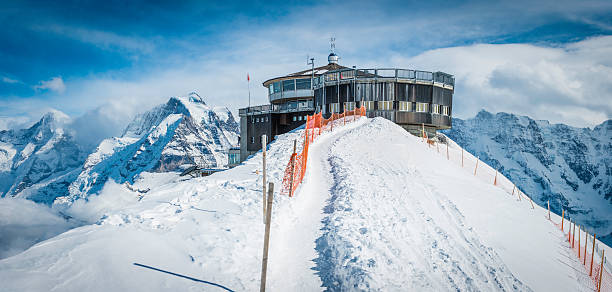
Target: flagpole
{"type": "Point", "coordinates": [249, 88]}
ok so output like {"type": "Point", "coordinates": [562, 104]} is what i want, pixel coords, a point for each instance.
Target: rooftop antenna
{"type": "Point", "coordinates": [332, 44]}
{"type": "Point", "coordinates": [310, 61]}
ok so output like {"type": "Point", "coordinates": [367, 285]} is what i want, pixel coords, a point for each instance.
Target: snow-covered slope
{"type": "Point", "coordinates": [39, 163]}
{"type": "Point", "coordinates": [571, 167]}
{"type": "Point", "coordinates": [182, 131]}
{"type": "Point", "coordinates": [378, 210]}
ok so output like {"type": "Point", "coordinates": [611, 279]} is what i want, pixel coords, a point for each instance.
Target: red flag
{"type": "Point", "coordinates": [248, 78]}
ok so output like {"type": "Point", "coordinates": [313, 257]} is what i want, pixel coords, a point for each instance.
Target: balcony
{"type": "Point", "coordinates": [288, 107]}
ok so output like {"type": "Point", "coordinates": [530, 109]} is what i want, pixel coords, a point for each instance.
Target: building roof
{"type": "Point", "coordinates": [307, 73]}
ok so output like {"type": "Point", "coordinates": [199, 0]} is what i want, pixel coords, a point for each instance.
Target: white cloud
{"type": "Point", "coordinates": [9, 80]}
{"type": "Point", "coordinates": [571, 84]}
{"type": "Point", "coordinates": [54, 84]}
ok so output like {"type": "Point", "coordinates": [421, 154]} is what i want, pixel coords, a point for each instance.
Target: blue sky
{"type": "Point", "coordinates": [115, 59]}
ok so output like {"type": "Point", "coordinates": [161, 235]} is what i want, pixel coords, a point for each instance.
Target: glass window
{"type": "Point", "coordinates": [302, 84]}
{"type": "Point", "coordinates": [277, 87]}
{"type": "Point", "coordinates": [422, 107]}
{"type": "Point", "coordinates": [299, 118]}
{"type": "Point", "coordinates": [385, 105]}
{"type": "Point", "coordinates": [271, 88]}
{"type": "Point", "coordinates": [334, 107]}
{"type": "Point", "coordinates": [252, 120]}
{"type": "Point", "coordinates": [294, 118]}
{"type": "Point", "coordinates": [435, 109]}
{"type": "Point", "coordinates": [305, 118]}
{"type": "Point", "coordinates": [349, 106]}
{"type": "Point", "coordinates": [445, 110]}
{"type": "Point", "coordinates": [405, 106]}
{"type": "Point", "coordinates": [252, 140]}
{"type": "Point", "coordinates": [369, 105]}
{"type": "Point", "coordinates": [288, 85]}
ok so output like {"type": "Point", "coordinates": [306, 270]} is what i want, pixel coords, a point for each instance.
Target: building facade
{"type": "Point", "coordinates": [412, 99]}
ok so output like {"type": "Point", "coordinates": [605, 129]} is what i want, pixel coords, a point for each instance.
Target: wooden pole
{"type": "Point", "coordinates": [264, 261]}
{"type": "Point", "coordinates": [586, 241]}
{"type": "Point", "coordinates": [513, 188]}
{"type": "Point", "coordinates": [477, 159]}
{"type": "Point", "coordinates": [461, 157]}
{"type": "Point", "coordinates": [574, 234]}
{"type": "Point", "coordinates": [569, 232]}
{"type": "Point", "coordinates": [579, 241]}
{"type": "Point", "coordinates": [495, 180]}
{"type": "Point", "coordinates": [423, 130]}
{"type": "Point", "coordinates": [263, 147]}
{"type": "Point", "coordinates": [447, 156]}
{"type": "Point", "coordinates": [592, 255]}
{"type": "Point", "coordinates": [292, 168]}
{"type": "Point", "coordinates": [548, 202]}
{"type": "Point", "coordinates": [603, 252]}
{"type": "Point", "coordinates": [562, 218]}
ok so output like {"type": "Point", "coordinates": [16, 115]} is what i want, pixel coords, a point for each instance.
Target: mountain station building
{"type": "Point", "coordinates": [412, 99]}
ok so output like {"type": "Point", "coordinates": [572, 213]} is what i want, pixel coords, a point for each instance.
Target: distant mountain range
{"type": "Point", "coordinates": [571, 167]}
{"type": "Point", "coordinates": [44, 163]}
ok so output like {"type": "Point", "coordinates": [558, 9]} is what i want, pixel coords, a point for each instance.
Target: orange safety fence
{"type": "Point", "coordinates": [315, 126]}
{"type": "Point", "coordinates": [599, 273]}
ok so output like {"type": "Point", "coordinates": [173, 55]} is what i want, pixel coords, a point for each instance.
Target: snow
{"type": "Point", "coordinates": [378, 210]}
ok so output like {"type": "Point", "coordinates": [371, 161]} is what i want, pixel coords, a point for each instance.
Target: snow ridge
{"type": "Point", "coordinates": [571, 167]}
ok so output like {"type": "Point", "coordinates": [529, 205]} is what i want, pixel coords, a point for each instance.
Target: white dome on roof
{"type": "Point", "coordinates": [333, 58]}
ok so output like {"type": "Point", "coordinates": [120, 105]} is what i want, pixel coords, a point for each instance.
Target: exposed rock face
{"type": "Point", "coordinates": [571, 167]}
{"type": "Point", "coordinates": [165, 138]}
{"type": "Point", "coordinates": [39, 163]}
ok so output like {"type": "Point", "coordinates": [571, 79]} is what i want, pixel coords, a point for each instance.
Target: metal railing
{"type": "Point", "coordinates": [293, 106]}
{"type": "Point", "coordinates": [384, 74]}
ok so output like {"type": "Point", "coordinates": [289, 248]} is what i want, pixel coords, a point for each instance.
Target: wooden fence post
{"type": "Point", "coordinates": [592, 255]}
{"type": "Point", "coordinates": [548, 202]}
{"type": "Point", "coordinates": [603, 252]}
{"type": "Point", "coordinates": [574, 234]}
{"type": "Point", "coordinates": [579, 241]}
{"type": "Point", "coordinates": [263, 147]}
{"type": "Point", "coordinates": [475, 168]}
{"type": "Point", "coordinates": [292, 168]}
{"type": "Point", "coordinates": [264, 261]}
{"type": "Point", "coordinates": [513, 188]}
{"type": "Point", "coordinates": [447, 156]}
{"type": "Point", "coordinates": [562, 218]}
{"type": "Point", "coordinates": [530, 201]}
{"type": "Point", "coordinates": [495, 180]}
{"type": "Point", "coordinates": [586, 242]}
{"type": "Point", "coordinates": [461, 156]}
{"type": "Point", "coordinates": [569, 232]}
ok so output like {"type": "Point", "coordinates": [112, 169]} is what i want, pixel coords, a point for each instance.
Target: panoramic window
{"type": "Point", "coordinates": [302, 84]}
{"type": "Point", "coordinates": [435, 109]}
{"type": "Point", "coordinates": [277, 87]}
{"type": "Point", "coordinates": [385, 105]}
{"type": "Point", "coordinates": [405, 106]}
{"type": "Point", "coordinates": [445, 110]}
{"type": "Point", "coordinates": [369, 105]}
{"type": "Point", "coordinates": [334, 107]}
{"type": "Point", "coordinates": [422, 107]}
{"type": "Point", "coordinates": [294, 118]}
{"type": "Point", "coordinates": [349, 106]}
{"type": "Point", "coordinates": [288, 85]}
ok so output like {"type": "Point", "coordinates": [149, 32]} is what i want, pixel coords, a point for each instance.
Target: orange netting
{"type": "Point", "coordinates": [315, 126]}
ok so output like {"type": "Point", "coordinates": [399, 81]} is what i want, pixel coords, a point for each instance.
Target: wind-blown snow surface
{"type": "Point", "coordinates": [571, 167]}
{"type": "Point", "coordinates": [378, 210]}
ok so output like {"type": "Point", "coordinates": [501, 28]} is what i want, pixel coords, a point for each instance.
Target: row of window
{"type": "Point", "coordinates": [403, 106]}
{"type": "Point", "coordinates": [259, 119]}
{"type": "Point", "coordinates": [299, 118]}
{"type": "Point", "coordinates": [289, 85]}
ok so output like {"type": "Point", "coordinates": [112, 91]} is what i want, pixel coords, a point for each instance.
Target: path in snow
{"type": "Point", "coordinates": [388, 225]}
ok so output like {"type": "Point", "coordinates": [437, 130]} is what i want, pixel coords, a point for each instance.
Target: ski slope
{"type": "Point", "coordinates": [377, 210]}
